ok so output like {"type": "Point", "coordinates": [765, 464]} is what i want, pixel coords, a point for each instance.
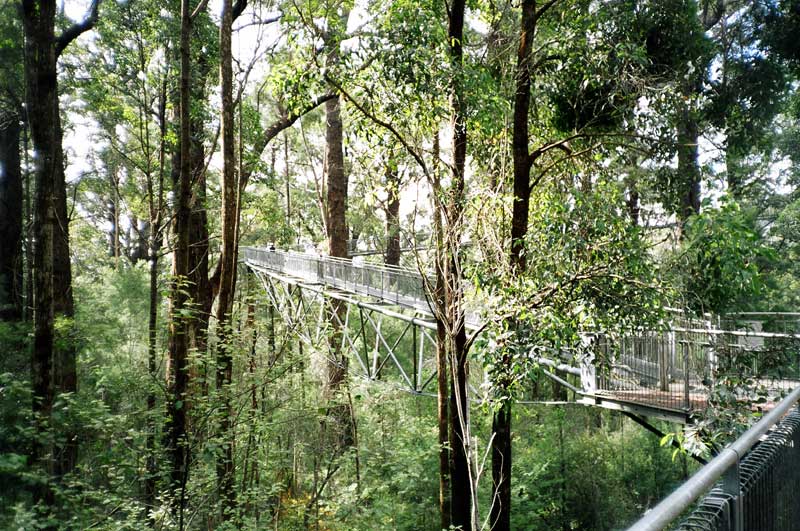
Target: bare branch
{"type": "Point", "coordinates": [74, 31]}
{"type": "Point", "coordinates": [279, 125]}
{"type": "Point", "coordinates": [386, 125]}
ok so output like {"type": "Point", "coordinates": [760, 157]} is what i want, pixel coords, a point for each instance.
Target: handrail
{"type": "Point", "coordinates": [704, 479]}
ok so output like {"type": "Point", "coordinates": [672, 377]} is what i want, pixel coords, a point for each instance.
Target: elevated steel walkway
{"type": "Point", "coordinates": [663, 373]}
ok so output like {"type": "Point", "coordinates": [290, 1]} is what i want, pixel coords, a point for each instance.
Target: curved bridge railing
{"type": "Point", "coordinates": [751, 485]}
{"type": "Point", "coordinates": [395, 285]}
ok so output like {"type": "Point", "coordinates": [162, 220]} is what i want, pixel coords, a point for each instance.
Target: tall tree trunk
{"type": "Point", "coordinates": [500, 517]}
{"type": "Point", "coordinates": [520, 140]}
{"type": "Point", "coordinates": [462, 483]}
{"type": "Point", "coordinates": [53, 370]}
{"type": "Point", "coordinates": [338, 236]}
{"type": "Point", "coordinates": [113, 211]}
{"type": "Point", "coordinates": [156, 214]}
{"type": "Point", "coordinates": [42, 101]}
{"type": "Point", "coordinates": [688, 133]}
{"type": "Point", "coordinates": [225, 478]}
{"type": "Point", "coordinates": [10, 220]}
{"type": "Point", "coordinates": [687, 126]}
{"type": "Point", "coordinates": [632, 201]}
{"type": "Point", "coordinates": [200, 286]}
{"type": "Point", "coordinates": [442, 361]}
{"type": "Point", "coordinates": [336, 181]}
{"type": "Point", "coordinates": [392, 256]}
{"type": "Point", "coordinates": [177, 442]}
{"type": "Point", "coordinates": [734, 172]}
{"type": "Point", "coordinates": [30, 187]}
{"type": "Point", "coordinates": [152, 368]}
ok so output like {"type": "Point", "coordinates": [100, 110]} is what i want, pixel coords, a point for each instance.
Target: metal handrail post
{"type": "Point", "coordinates": [686, 403]}
{"type": "Point", "coordinates": [732, 486]}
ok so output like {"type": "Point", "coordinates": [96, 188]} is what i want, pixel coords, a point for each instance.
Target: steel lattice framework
{"type": "Point", "coordinates": [385, 341]}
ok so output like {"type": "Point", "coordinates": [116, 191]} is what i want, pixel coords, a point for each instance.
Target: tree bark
{"type": "Point", "coordinates": [200, 287]}
{"type": "Point", "coordinates": [392, 256]}
{"type": "Point", "coordinates": [338, 236]}
{"type": "Point", "coordinates": [42, 100]}
{"type": "Point", "coordinates": [53, 370]}
{"type": "Point", "coordinates": [632, 202]}
{"type": "Point", "coordinates": [156, 214]}
{"type": "Point", "coordinates": [688, 128]}
{"type": "Point", "coordinates": [336, 181]}
{"type": "Point", "coordinates": [113, 212]}
{"type": "Point", "coordinates": [462, 485]}
{"type": "Point", "coordinates": [442, 362]}
{"type": "Point", "coordinates": [520, 140]}
{"type": "Point", "coordinates": [225, 478]}
{"type": "Point", "coordinates": [177, 443]}
{"type": "Point", "coordinates": [10, 220]}
{"type": "Point", "coordinates": [688, 133]}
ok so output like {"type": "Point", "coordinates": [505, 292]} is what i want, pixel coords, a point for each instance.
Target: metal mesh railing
{"type": "Point", "coordinates": [387, 283]}
{"type": "Point", "coordinates": [764, 497]}
{"type": "Point", "coordinates": [751, 485]}
{"type": "Point", "coordinates": [674, 368]}
{"type": "Point", "coordinates": [775, 322]}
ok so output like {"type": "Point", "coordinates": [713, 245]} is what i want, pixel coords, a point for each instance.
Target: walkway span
{"type": "Point", "coordinates": [664, 373]}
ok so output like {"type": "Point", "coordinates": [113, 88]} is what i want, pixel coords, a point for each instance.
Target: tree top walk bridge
{"type": "Point", "coordinates": [388, 328]}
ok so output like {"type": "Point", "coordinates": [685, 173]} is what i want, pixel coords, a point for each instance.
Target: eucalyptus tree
{"type": "Point", "coordinates": [53, 369]}
{"type": "Point", "coordinates": [746, 93]}
{"type": "Point", "coordinates": [177, 441]}
{"type": "Point", "coordinates": [412, 113]}
{"type": "Point", "coordinates": [577, 79]}
{"type": "Point", "coordinates": [227, 260]}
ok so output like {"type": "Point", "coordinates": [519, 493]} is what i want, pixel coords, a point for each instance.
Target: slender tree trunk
{"type": "Point", "coordinates": [688, 128]}
{"type": "Point", "coordinates": [225, 478]}
{"type": "Point", "coordinates": [65, 368]}
{"type": "Point", "coordinates": [500, 517]}
{"type": "Point", "coordinates": [632, 202]}
{"type": "Point", "coordinates": [734, 173]}
{"type": "Point", "coordinates": [520, 140]}
{"type": "Point", "coordinates": [11, 263]}
{"type": "Point", "coordinates": [113, 212]}
{"type": "Point", "coordinates": [462, 483]}
{"type": "Point", "coordinates": [200, 287]}
{"type": "Point", "coordinates": [688, 133]}
{"type": "Point", "coordinates": [155, 192]}
{"type": "Point", "coordinates": [152, 368]}
{"type": "Point", "coordinates": [442, 363]}
{"type": "Point", "coordinates": [177, 442]}
{"type": "Point", "coordinates": [392, 256]}
{"type": "Point", "coordinates": [29, 227]}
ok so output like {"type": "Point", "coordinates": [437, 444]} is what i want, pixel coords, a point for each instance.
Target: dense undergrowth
{"type": "Point", "coordinates": [574, 467]}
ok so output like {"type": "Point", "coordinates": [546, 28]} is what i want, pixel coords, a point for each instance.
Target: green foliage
{"type": "Point", "coordinates": [586, 469]}
{"type": "Point", "coordinates": [720, 260]}
{"type": "Point", "coordinates": [588, 269]}
{"type": "Point", "coordinates": [674, 37]}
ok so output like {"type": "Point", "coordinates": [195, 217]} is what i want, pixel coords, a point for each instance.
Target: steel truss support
{"type": "Point", "coordinates": [384, 341]}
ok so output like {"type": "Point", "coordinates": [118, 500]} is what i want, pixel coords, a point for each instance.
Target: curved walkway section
{"type": "Point", "coordinates": [389, 284]}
